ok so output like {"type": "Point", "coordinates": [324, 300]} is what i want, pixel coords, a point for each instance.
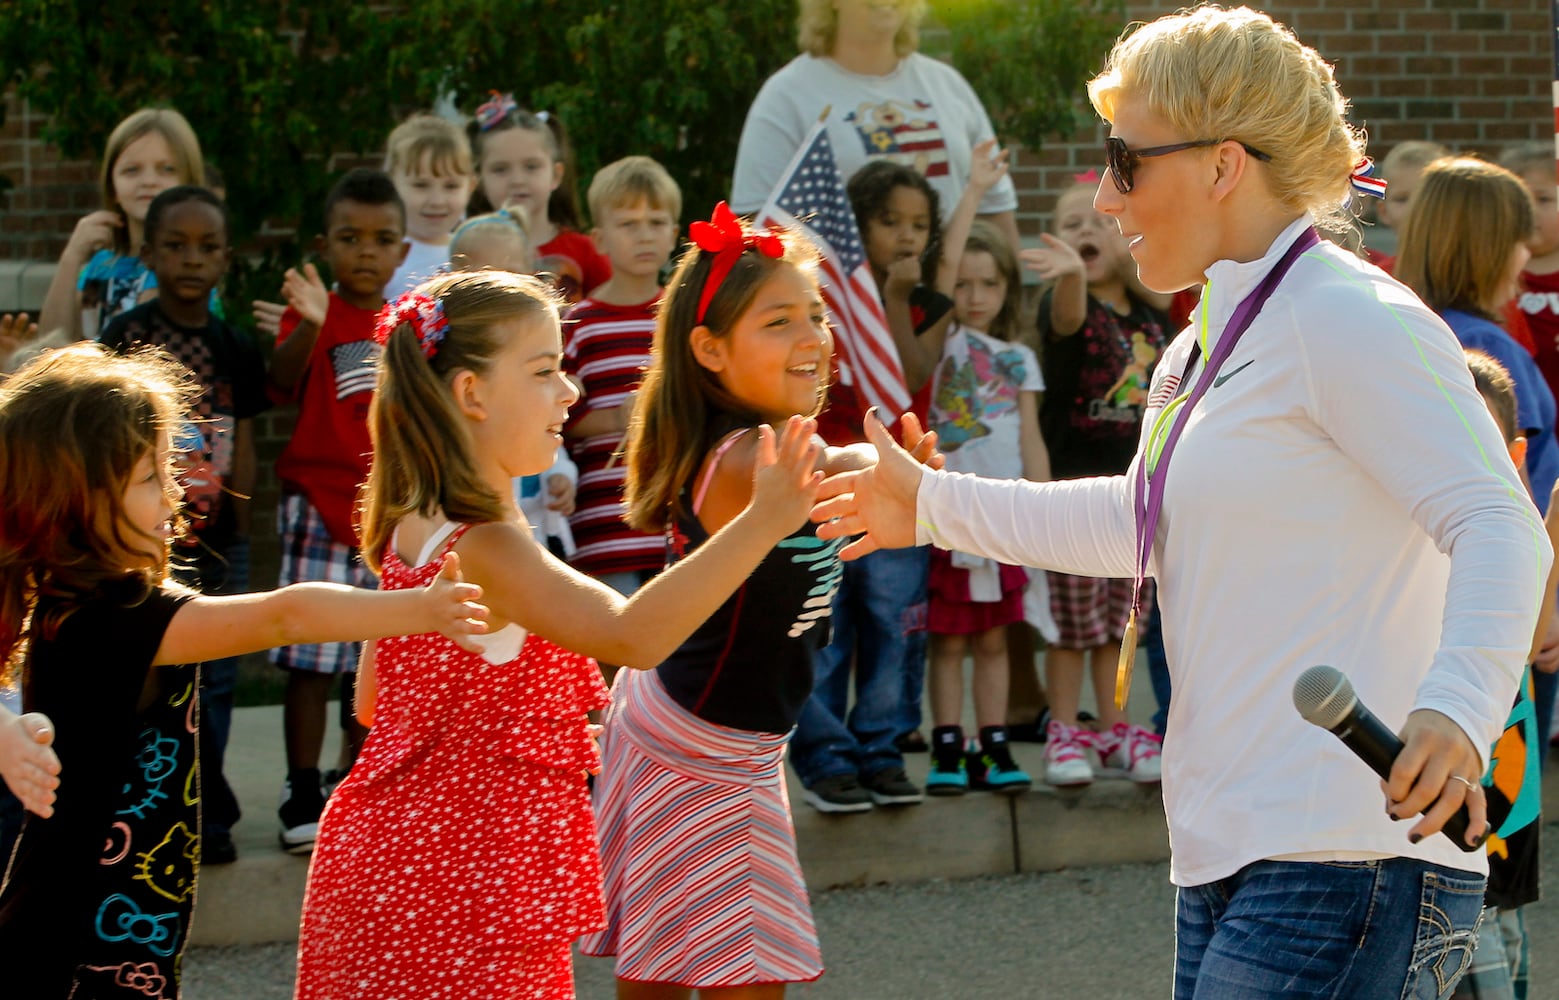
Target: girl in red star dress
{"type": "Point", "coordinates": [459, 860]}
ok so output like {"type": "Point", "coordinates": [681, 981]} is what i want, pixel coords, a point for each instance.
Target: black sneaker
{"type": "Point", "coordinates": [1030, 732]}
{"type": "Point", "coordinates": [216, 848]}
{"type": "Point", "coordinates": [911, 742]}
{"type": "Point", "coordinates": [302, 801]}
{"type": "Point", "coordinates": [838, 793]}
{"type": "Point", "coordinates": [892, 787]}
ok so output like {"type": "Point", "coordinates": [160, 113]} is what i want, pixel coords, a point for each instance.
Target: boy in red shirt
{"type": "Point", "coordinates": [326, 361]}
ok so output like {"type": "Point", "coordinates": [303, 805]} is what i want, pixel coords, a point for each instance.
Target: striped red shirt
{"type": "Point", "coordinates": [607, 347]}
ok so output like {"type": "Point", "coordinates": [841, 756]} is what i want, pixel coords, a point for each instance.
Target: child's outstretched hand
{"type": "Point", "coordinates": [27, 761]}
{"type": "Point", "coordinates": [785, 475]}
{"type": "Point", "coordinates": [878, 503]}
{"type": "Point", "coordinates": [1053, 260]}
{"type": "Point", "coordinates": [560, 494]}
{"type": "Point", "coordinates": [267, 317]}
{"type": "Point", "coordinates": [14, 332]}
{"type": "Point", "coordinates": [451, 606]}
{"type": "Point", "coordinates": [306, 293]}
{"type": "Point", "coordinates": [989, 165]}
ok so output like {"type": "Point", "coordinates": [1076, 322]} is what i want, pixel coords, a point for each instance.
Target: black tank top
{"type": "Point", "coordinates": [749, 666]}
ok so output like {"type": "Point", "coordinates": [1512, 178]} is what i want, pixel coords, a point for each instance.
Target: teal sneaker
{"type": "Point", "coordinates": [944, 780]}
{"type": "Point", "coordinates": [994, 770]}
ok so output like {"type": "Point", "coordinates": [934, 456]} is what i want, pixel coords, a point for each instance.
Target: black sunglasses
{"type": "Point", "coordinates": [1122, 159]}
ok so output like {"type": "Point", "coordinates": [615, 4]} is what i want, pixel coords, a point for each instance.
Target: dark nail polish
{"type": "Point", "coordinates": [1414, 838]}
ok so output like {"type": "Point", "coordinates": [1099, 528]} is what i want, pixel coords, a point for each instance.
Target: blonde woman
{"type": "Point", "coordinates": [1339, 495]}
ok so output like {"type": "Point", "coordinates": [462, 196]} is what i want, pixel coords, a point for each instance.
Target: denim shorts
{"type": "Point", "coordinates": [1392, 928]}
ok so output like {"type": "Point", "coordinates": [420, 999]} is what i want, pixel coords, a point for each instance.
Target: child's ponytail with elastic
{"type": "Point", "coordinates": [422, 460]}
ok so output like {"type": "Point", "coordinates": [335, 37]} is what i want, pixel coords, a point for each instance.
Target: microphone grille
{"type": "Point", "coordinates": [1324, 696]}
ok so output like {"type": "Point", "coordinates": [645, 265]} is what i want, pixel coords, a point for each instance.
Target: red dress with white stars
{"type": "Point", "coordinates": [459, 859]}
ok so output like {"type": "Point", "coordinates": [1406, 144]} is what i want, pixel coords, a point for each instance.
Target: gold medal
{"type": "Point", "coordinates": [1128, 662]}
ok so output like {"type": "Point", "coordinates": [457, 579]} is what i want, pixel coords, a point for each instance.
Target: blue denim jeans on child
{"type": "Point", "coordinates": [879, 624]}
{"type": "Point", "coordinates": [1387, 929]}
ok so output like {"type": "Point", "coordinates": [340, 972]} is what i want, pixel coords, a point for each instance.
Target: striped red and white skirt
{"type": "Point", "coordinates": [703, 887]}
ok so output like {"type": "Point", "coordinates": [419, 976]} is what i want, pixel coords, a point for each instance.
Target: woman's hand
{"type": "Point", "coordinates": [451, 606]}
{"type": "Point", "coordinates": [878, 503]}
{"type": "Point", "coordinates": [27, 760]}
{"type": "Point", "coordinates": [1437, 770]}
{"type": "Point", "coordinates": [785, 476]}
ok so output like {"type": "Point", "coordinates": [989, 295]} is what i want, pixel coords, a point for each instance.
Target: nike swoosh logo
{"type": "Point", "coordinates": [1221, 379]}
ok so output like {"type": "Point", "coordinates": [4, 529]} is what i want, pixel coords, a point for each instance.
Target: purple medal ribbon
{"type": "Point", "coordinates": [1150, 492]}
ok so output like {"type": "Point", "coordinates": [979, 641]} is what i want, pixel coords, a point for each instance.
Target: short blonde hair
{"type": "Point", "coordinates": [423, 136]}
{"type": "Point", "coordinates": [1523, 157]}
{"type": "Point", "coordinates": [1415, 154]}
{"type": "Point", "coordinates": [175, 131]}
{"type": "Point", "coordinates": [818, 24]}
{"type": "Point", "coordinates": [1216, 73]}
{"type": "Point", "coordinates": [1467, 218]}
{"type": "Point", "coordinates": [626, 182]}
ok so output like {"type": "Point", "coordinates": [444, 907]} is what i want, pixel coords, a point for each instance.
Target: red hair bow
{"type": "Point", "coordinates": [724, 237]}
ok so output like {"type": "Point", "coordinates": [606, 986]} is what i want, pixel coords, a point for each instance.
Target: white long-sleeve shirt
{"type": "Point", "coordinates": [1342, 497]}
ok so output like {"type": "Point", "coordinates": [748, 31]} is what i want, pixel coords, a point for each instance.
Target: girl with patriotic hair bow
{"type": "Point", "coordinates": [458, 858]}
{"type": "Point", "coordinates": [1317, 481]}
{"type": "Point", "coordinates": [691, 800]}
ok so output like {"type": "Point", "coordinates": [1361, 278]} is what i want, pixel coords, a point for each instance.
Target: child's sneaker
{"type": "Point", "coordinates": [891, 787]}
{"type": "Point", "coordinates": [991, 767]}
{"type": "Point", "coordinates": [838, 793]}
{"type": "Point", "coordinates": [1066, 755]}
{"type": "Point", "coordinates": [947, 775]}
{"type": "Point", "coordinates": [1128, 751]}
{"type": "Point", "coordinates": [302, 801]}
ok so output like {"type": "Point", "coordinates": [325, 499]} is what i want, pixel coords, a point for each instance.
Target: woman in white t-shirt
{"type": "Point", "coordinates": [1339, 495]}
{"type": "Point", "coordinates": [884, 99]}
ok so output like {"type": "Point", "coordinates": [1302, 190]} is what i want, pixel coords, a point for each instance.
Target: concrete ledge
{"type": "Point", "coordinates": [24, 284]}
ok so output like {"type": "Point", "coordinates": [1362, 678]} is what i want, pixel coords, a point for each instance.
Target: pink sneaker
{"type": "Point", "coordinates": [1128, 751]}
{"type": "Point", "coordinates": [1066, 755]}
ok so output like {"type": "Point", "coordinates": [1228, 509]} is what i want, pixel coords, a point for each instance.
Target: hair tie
{"type": "Point", "coordinates": [543, 117]}
{"type": "Point", "coordinates": [1364, 183]}
{"type": "Point", "coordinates": [425, 314]}
{"type": "Point", "coordinates": [724, 237]}
{"type": "Point", "coordinates": [494, 110]}
{"type": "Point", "coordinates": [1089, 176]}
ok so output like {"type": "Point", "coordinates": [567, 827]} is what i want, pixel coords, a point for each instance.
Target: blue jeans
{"type": "Point", "coordinates": [1158, 666]}
{"type": "Point", "coordinates": [1499, 964]}
{"type": "Point", "coordinates": [1397, 928]}
{"type": "Point", "coordinates": [879, 623]}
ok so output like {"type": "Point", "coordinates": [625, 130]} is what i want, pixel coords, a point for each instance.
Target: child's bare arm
{"type": "Point", "coordinates": [27, 760]}
{"type": "Point", "coordinates": [365, 692]}
{"type": "Point", "coordinates": [62, 302]}
{"type": "Point", "coordinates": [1546, 612]}
{"type": "Point", "coordinates": [985, 171]}
{"type": "Point", "coordinates": [209, 628]}
{"type": "Point", "coordinates": [1058, 262]}
{"type": "Point", "coordinates": [523, 583]}
{"type": "Point", "coordinates": [1036, 457]}
{"type": "Point", "coordinates": [306, 294]}
{"type": "Point", "coordinates": [916, 361]}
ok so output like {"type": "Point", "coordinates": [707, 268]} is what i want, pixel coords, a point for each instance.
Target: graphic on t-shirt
{"type": "Point", "coordinates": [903, 131]}
{"type": "Point", "coordinates": [356, 367]}
{"type": "Point", "coordinates": [142, 978]}
{"type": "Point", "coordinates": [989, 380]}
{"type": "Point", "coordinates": [567, 275]}
{"type": "Point", "coordinates": [1515, 776]}
{"type": "Point", "coordinates": [1131, 389]}
{"type": "Point", "coordinates": [157, 760]}
{"type": "Point", "coordinates": [199, 472]}
{"type": "Point", "coordinates": [169, 868]}
{"type": "Point", "coordinates": [120, 918]}
{"type": "Point", "coordinates": [821, 558]}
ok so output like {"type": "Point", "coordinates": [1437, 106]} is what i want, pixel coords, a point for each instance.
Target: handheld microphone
{"type": "Point", "coordinates": [1326, 698]}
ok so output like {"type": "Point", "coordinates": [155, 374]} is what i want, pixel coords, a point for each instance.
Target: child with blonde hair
{"type": "Point", "coordinates": [100, 272]}
{"type": "Point", "coordinates": [472, 784]}
{"type": "Point", "coordinates": [429, 159]}
{"type": "Point", "coordinates": [98, 896]}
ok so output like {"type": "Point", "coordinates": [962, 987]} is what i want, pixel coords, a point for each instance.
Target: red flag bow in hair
{"type": "Point", "coordinates": [724, 237]}
{"type": "Point", "coordinates": [1089, 176]}
{"type": "Point", "coordinates": [425, 314]}
{"type": "Point", "coordinates": [494, 110]}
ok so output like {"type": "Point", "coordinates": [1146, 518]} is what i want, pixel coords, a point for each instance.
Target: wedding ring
{"type": "Point", "coordinates": [1471, 786]}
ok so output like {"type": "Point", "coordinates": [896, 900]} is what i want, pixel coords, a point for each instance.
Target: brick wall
{"type": "Point", "coordinates": [1474, 74]}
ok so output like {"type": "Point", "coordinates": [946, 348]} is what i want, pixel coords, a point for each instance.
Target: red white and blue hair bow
{"type": "Point", "coordinates": [1364, 182]}
{"type": "Point", "coordinates": [424, 313]}
{"type": "Point", "coordinates": [494, 110]}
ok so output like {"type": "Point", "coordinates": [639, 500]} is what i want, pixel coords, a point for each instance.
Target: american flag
{"type": "Point", "coordinates": [812, 197]}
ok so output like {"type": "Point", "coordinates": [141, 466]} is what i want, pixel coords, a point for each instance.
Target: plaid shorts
{"type": "Point", "coordinates": [1091, 611]}
{"type": "Point", "coordinates": [310, 554]}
